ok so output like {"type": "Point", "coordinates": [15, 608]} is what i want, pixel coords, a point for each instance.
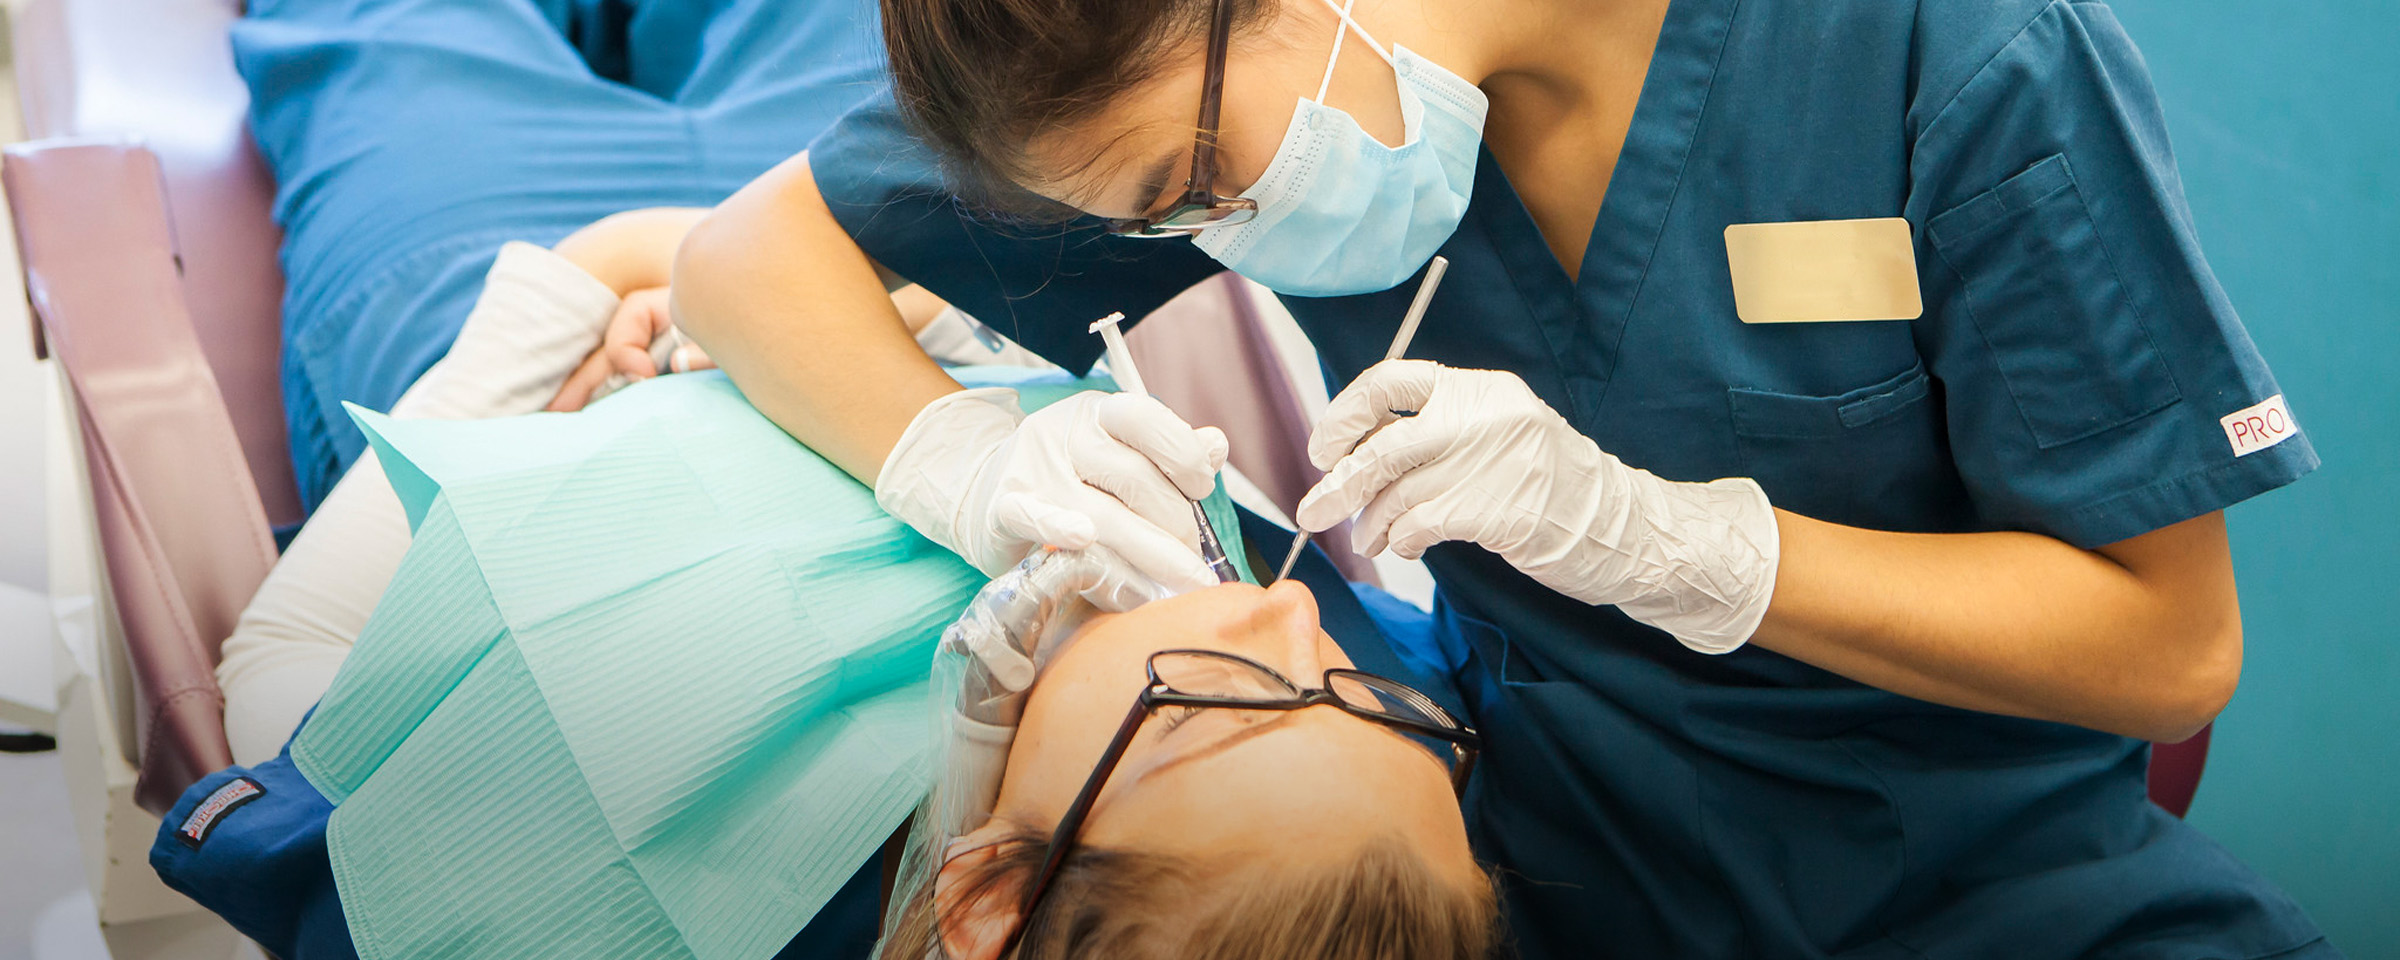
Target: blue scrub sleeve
{"type": "Point", "coordinates": [1041, 284]}
{"type": "Point", "coordinates": [2088, 356]}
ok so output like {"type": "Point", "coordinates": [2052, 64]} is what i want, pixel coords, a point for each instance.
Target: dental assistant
{"type": "Point", "coordinates": [1787, 639]}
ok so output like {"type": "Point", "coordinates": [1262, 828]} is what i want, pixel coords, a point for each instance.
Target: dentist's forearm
{"type": "Point", "coordinates": [789, 306]}
{"type": "Point", "coordinates": [2141, 638]}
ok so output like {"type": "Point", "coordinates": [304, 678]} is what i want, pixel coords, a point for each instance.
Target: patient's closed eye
{"type": "Point", "coordinates": [1178, 716]}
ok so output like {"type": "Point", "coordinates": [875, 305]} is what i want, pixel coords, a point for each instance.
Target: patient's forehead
{"type": "Point", "coordinates": [1316, 780]}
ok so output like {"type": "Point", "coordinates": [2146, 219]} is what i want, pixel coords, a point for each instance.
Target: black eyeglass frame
{"type": "Point", "coordinates": [1465, 744]}
{"type": "Point", "coordinates": [1201, 206]}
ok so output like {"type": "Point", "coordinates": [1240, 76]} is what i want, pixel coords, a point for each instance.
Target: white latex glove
{"type": "Point", "coordinates": [1002, 632]}
{"type": "Point", "coordinates": [1017, 623]}
{"type": "Point", "coordinates": [1012, 629]}
{"type": "Point", "coordinates": [1485, 460]}
{"type": "Point", "coordinates": [978, 476]}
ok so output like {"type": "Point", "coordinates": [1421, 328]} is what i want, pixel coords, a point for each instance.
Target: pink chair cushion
{"type": "Point", "coordinates": [2175, 772]}
{"type": "Point", "coordinates": [160, 72]}
{"type": "Point", "coordinates": [181, 529]}
{"type": "Point", "coordinates": [1207, 355]}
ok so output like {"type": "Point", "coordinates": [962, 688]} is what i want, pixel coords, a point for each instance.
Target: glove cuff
{"type": "Point", "coordinates": [978, 757]}
{"type": "Point", "coordinates": [925, 480]}
{"type": "Point", "coordinates": [1727, 548]}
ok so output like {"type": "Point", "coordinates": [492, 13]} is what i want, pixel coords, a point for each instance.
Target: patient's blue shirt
{"type": "Point", "coordinates": [410, 140]}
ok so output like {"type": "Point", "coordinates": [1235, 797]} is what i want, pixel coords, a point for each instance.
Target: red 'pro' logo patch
{"type": "Point", "coordinates": [2253, 429]}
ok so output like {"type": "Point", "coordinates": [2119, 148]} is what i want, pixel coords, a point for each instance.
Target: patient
{"type": "Point", "coordinates": [1219, 833]}
{"type": "Point", "coordinates": [411, 140]}
{"type": "Point", "coordinates": [1180, 849]}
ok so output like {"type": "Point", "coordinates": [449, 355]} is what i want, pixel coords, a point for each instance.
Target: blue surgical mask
{"type": "Point", "coordinates": [1339, 213]}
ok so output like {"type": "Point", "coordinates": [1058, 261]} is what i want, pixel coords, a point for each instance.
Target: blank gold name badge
{"type": "Point", "coordinates": [1822, 271]}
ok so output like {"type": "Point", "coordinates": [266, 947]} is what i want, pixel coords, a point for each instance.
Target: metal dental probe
{"type": "Point", "coordinates": [1400, 340]}
{"type": "Point", "coordinates": [1129, 379]}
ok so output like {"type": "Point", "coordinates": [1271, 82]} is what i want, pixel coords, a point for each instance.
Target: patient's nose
{"type": "Point", "coordinates": [1289, 615]}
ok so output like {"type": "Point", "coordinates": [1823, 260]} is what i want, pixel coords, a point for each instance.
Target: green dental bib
{"type": "Point", "coordinates": [650, 683]}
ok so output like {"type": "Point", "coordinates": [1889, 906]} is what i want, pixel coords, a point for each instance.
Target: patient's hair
{"type": "Point", "coordinates": [978, 78]}
{"type": "Point", "coordinates": [1384, 904]}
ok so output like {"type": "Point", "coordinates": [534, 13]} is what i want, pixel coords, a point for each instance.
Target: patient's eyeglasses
{"type": "Point", "coordinates": [1212, 678]}
{"type": "Point", "coordinates": [1201, 207]}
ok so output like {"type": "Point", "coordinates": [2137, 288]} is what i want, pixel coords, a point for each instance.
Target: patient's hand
{"type": "Point", "coordinates": [625, 348]}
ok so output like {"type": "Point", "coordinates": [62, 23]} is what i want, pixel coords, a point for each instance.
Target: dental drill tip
{"type": "Point", "coordinates": [1212, 548]}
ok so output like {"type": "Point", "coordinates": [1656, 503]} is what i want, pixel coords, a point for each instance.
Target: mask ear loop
{"type": "Point", "coordinates": [1341, 34]}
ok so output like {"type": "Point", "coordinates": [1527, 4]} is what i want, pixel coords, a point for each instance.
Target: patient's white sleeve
{"type": "Point", "coordinates": [538, 317]}
{"type": "Point", "coordinates": [955, 338]}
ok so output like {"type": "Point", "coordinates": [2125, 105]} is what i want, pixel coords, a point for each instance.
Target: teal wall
{"type": "Point", "coordinates": [2286, 121]}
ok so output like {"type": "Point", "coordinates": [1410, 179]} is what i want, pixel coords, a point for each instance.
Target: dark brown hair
{"type": "Point", "coordinates": [1383, 904]}
{"type": "Point", "coordinates": [978, 79]}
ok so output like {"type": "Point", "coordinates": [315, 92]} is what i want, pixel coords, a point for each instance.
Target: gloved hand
{"type": "Point", "coordinates": [1014, 625]}
{"type": "Point", "coordinates": [1485, 460]}
{"type": "Point", "coordinates": [1016, 622]}
{"type": "Point", "coordinates": [1110, 470]}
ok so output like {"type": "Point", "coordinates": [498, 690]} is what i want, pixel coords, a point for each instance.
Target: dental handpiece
{"type": "Point", "coordinates": [1129, 379]}
{"type": "Point", "coordinates": [1399, 348]}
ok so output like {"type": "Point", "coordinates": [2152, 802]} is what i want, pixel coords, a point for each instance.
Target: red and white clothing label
{"type": "Point", "coordinates": [2253, 429]}
{"type": "Point", "coordinates": [204, 817]}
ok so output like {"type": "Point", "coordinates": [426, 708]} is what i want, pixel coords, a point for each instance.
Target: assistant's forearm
{"type": "Point", "coordinates": [2016, 623]}
{"type": "Point", "coordinates": [799, 317]}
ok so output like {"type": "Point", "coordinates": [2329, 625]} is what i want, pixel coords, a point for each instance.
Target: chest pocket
{"type": "Point", "coordinates": [1874, 457]}
{"type": "Point", "coordinates": [2044, 293]}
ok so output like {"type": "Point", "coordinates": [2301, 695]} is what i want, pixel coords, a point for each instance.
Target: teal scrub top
{"type": "Point", "coordinates": [2069, 377]}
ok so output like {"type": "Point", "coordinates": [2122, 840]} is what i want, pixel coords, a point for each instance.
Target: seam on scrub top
{"type": "Point", "coordinates": [548, 35]}
{"type": "Point", "coordinates": [2290, 951]}
{"type": "Point", "coordinates": [375, 282]}
{"type": "Point", "coordinates": [2011, 211]}
{"type": "Point", "coordinates": [1986, 67]}
{"type": "Point", "coordinates": [1877, 396]}
{"type": "Point", "coordinates": [1560, 360]}
{"type": "Point", "coordinates": [1965, 304]}
{"type": "Point", "coordinates": [2108, 255]}
{"type": "Point", "coordinates": [1683, 164]}
{"type": "Point", "coordinates": [1708, 843]}
{"type": "Point", "coordinates": [694, 143]}
{"type": "Point", "coordinates": [1891, 802]}
{"type": "Point", "coordinates": [2092, 510]}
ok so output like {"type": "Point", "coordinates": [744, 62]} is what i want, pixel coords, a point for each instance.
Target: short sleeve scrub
{"type": "Point", "coordinates": [2068, 377]}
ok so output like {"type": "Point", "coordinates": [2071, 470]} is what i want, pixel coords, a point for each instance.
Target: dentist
{"type": "Point", "coordinates": [1819, 442]}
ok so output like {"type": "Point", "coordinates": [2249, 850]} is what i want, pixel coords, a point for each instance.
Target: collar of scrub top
{"type": "Point", "coordinates": [1201, 206]}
